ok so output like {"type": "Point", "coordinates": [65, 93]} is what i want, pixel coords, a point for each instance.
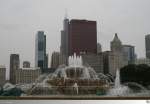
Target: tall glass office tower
{"type": "Point", "coordinates": [40, 50]}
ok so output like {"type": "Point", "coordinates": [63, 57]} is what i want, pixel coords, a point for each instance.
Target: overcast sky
{"type": "Point", "coordinates": [21, 19]}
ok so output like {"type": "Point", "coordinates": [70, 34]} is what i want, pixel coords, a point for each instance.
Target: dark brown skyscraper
{"type": "Point", "coordinates": [14, 65]}
{"type": "Point", "coordinates": [82, 36]}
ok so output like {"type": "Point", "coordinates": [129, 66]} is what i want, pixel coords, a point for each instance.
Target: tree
{"type": "Point", "coordinates": [136, 73]}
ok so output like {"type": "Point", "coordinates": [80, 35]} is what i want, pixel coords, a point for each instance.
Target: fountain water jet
{"type": "Point", "coordinates": [125, 90]}
{"type": "Point", "coordinates": [118, 89]}
{"type": "Point", "coordinates": [117, 79]}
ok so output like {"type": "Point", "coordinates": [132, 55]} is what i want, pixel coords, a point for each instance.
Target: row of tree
{"type": "Point", "coordinates": [136, 73]}
{"type": "Point", "coordinates": [11, 92]}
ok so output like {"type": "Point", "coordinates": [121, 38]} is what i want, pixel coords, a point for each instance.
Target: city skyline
{"type": "Point", "coordinates": [20, 20]}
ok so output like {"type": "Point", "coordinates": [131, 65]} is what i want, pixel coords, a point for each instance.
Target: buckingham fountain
{"type": "Point", "coordinates": [74, 79]}
{"type": "Point", "coordinates": [77, 79]}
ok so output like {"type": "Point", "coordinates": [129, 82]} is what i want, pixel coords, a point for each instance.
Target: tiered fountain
{"type": "Point", "coordinates": [77, 79]}
{"type": "Point", "coordinates": [74, 79]}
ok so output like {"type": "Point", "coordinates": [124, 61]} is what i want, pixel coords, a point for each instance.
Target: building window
{"type": "Point", "coordinates": [40, 46]}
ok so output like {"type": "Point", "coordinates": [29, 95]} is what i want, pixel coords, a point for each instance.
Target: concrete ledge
{"type": "Point", "coordinates": [71, 98]}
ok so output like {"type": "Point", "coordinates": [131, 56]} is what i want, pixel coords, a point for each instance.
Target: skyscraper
{"type": "Point", "coordinates": [116, 44]}
{"type": "Point", "coordinates": [114, 59]}
{"type": "Point", "coordinates": [14, 65]}
{"type": "Point", "coordinates": [40, 50]}
{"type": "Point", "coordinates": [26, 64]}
{"type": "Point", "coordinates": [129, 53]}
{"type": "Point", "coordinates": [58, 59]}
{"type": "Point", "coordinates": [94, 60]}
{"type": "Point", "coordinates": [82, 36]}
{"type": "Point", "coordinates": [55, 60]}
{"type": "Point", "coordinates": [64, 37]}
{"type": "Point", "coordinates": [2, 75]}
{"type": "Point", "coordinates": [99, 48]}
{"type": "Point", "coordinates": [147, 45]}
{"type": "Point", "coordinates": [46, 61]}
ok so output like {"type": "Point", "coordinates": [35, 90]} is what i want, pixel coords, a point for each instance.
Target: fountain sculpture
{"type": "Point", "coordinates": [83, 79]}
{"type": "Point", "coordinates": [77, 79]}
{"type": "Point", "coordinates": [74, 79]}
